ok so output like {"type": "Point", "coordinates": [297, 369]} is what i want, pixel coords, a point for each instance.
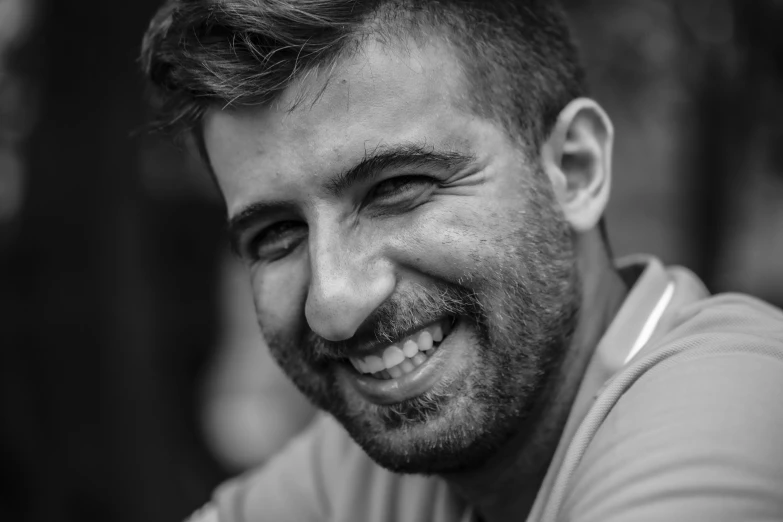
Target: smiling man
{"type": "Point", "coordinates": [417, 189]}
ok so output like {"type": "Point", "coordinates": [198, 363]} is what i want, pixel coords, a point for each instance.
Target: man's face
{"type": "Point", "coordinates": [411, 271]}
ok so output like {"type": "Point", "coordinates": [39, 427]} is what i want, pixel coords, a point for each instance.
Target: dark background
{"type": "Point", "coordinates": [110, 238]}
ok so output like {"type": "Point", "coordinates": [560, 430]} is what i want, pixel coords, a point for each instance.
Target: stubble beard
{"type": "Point", "coordinates": [523, 313]}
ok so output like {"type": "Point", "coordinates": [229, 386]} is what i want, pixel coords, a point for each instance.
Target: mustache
{"type": "Point", "coordinates": [395, 318]}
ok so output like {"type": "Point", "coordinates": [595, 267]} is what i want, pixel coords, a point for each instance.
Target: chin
{"type": "Point", "coordinates": [448, 432]}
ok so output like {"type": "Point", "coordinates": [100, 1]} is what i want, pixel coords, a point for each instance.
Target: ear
{"type": "Point", "coordinates": [577, 157]}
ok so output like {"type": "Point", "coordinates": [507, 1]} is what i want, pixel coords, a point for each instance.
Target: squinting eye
{"type": "Point", "coordinates": [277, 241]}
{"type": "Point", "coordinates": [400, 184]}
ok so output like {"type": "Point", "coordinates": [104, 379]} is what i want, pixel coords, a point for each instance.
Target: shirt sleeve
{"type": "Point", "coordinates": [290, 487]}
{"type": "Point", "coordinates": [699, 438]}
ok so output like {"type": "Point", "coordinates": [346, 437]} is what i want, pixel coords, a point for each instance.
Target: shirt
{"type": "Point", "coordinates": [679, 416]}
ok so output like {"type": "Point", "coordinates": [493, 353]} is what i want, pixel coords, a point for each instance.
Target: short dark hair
{"type": "Point", "coordinates": [519, 60]}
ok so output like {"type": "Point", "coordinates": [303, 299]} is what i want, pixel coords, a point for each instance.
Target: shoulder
{"type": "Point", "coordinates": [696, 435]}
{"type": "Point", "coordinates": [297, 484]}
{"type": "Point", "coordinates": [206, 514]}
{"type": "Point", "coordinates": [324, 475]}
{"type": "Point", "coordinates": [728, 314]}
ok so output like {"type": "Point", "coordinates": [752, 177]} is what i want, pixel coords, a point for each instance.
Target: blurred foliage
{"type": "Point", "coordinates": [17, 108]}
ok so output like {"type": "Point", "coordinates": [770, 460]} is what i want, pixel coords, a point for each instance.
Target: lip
{"type": "Point", "coordinates": [377, 348]}
{"type": "Point", "coordinates": [413, 384]}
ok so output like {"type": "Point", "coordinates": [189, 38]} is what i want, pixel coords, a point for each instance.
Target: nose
{"type": "Point", "coordinates": [348, 281]}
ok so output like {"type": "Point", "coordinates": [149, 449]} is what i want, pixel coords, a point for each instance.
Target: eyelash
{"type": "Point", "coordinates": [402, 184]}
{"type": "Point", "coordinates": [255, 244]}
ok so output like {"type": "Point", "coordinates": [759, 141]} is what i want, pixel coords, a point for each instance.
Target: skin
{"type": "Point", "coordinates": [512, 238]}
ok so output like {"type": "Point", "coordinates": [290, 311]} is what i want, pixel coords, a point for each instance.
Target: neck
{"type": "Point", "coordinates": [506, 487]}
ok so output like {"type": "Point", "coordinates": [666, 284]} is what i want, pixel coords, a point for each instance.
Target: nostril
{"type": "Point", "coordinates": [346, 286]}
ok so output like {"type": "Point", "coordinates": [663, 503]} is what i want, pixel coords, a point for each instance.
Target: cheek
{"type": "Point", "coordinates": [457, 243]}
{"type": "Point", "coordinates": [279, 293]}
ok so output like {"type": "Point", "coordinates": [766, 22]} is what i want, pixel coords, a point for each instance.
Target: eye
{"type": "Point", "coordinates": [277, 241]}
{"type": "Point", "coordinates": [401, 185]}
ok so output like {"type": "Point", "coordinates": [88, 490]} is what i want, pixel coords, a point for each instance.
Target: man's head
{"type": "Point", "coordinates": [396, 173]}
{"type": "Point", "coordinates": [519, 63]}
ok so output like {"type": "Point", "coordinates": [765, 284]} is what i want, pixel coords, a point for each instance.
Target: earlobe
{"type": "Point", "coordinates": [577, 157]}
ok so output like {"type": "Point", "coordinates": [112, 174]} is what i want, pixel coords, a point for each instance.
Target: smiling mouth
{"type": "Point", "coordinates": [405, 355]}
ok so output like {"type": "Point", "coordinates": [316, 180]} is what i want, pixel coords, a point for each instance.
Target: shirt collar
{"type": "Point", "coordinates": [636, 320]}
{"type": "Point", "coordinates": [633, 326]}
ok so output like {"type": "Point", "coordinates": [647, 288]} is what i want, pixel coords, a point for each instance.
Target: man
{"type": "Point", "coordinates": [417, 189]}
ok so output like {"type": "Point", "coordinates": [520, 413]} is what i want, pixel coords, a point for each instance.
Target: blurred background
{"type": "Point", "coordinates": [133, 378]}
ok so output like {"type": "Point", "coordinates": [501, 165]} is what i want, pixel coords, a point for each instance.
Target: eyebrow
{"type": "Point", "coordinates": [374, 163]}
{"type": "Point", "coordinates": [403, 156]}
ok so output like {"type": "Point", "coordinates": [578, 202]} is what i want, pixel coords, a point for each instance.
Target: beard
{"type": "Point", "coordinates": [520, 308]}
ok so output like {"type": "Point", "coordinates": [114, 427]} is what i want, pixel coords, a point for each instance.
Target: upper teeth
{"type": "Point", "coordinates": [408, 348]}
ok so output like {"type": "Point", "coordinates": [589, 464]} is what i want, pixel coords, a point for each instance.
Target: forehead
{"type": "Point", "coordinates": [380, 97]}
